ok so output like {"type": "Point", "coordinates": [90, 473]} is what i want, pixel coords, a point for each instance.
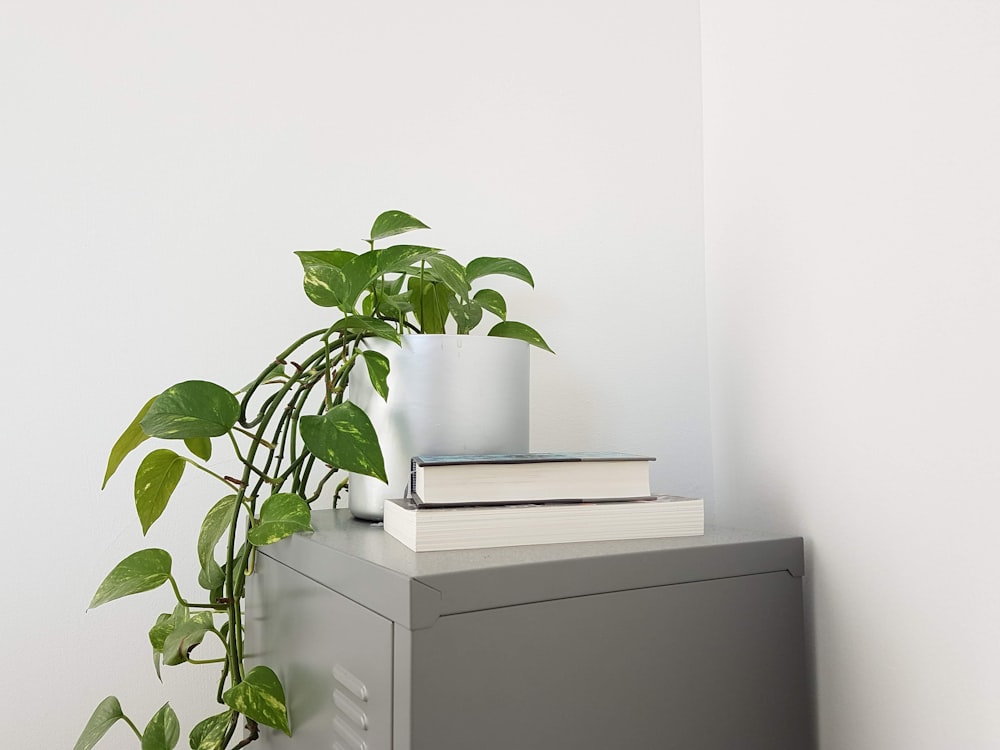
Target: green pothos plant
{"type": "Point", "coordinates": [294, 433]}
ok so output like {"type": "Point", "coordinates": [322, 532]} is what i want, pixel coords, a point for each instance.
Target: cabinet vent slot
{"type": "Point", "coordinates": [350, 709]}
{"type": "Point", "coordinates": [346, 736]}
{"type": "Point", "coordinates": [353, 684]}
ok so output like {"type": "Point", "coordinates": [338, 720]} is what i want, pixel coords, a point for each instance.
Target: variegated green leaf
{"type": "Point", "coordinates": [360, 273]}
{"type": "Point", "coordinates": [281, 515]}
{"type": "Point", "coordinates": [131, 439]}
{"type": "Point", "coordinates": [185, 636]}
{"type": "Point", "coordinates": [451, 273]}
{"type": "Point", "coordinates": [141, 571]}
{"type": "Point", "coordinates": [504, 266]}
{"type": "Point", "coordinates": [209, 733]}
{"type": "Point", "coordinates": [467, 314]}
{"type": "Point", "coordinates": [378, 371]}
{"type": "Point", "coordinates": [261, 698]}
{"type": "Point", "coordinates": [399, 258]}
{"type": "Point", "coordinates": [163, 730]}
{"type": "Point", "coordinates": [201, 447]}
{"type": "Point", "coordinates": [323, 279]}
{"type": "Point", "coordinates": [155, 481]}
{"type": "Point", "coordinates": [331, 258]}
{"type": "Point", "coordinates": [430, 304]}
{"type": "Point", "coordinates": [393, 305]}
{"type": "Point", "coordinates": [344, 437]}
{"type": "Point", "coordinates": [392, 223]}
{"type": "Point", "coordinates": [325, 286]}
{"type": "Point", "coordinates": [165, 623]}
{"type": "Point", "coordinates": [363, 324]}
{"type": "Point", "coordinates": [493, 301]}
{"type": "Point", "coordinates": [512, 330]}
{"type": "Point", "coordinates": [195, 408]}
{"type": "Point", "coordinates": [217, 520]}
{"type": "Point", "coordinates": [104, 717]}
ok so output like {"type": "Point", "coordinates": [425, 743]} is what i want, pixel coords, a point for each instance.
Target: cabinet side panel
{"type": "Point", "coordinates": [713, 665]}
{"type": "Point", "coordinates": [333, 657]}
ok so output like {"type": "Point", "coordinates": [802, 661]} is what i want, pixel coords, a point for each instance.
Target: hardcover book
{"type": "Point", "coordinates": [528, 478]}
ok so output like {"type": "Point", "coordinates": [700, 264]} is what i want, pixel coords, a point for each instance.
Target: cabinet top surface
{"type": "Point", "coordinates": [338, 530]}
{"type": "Point", "coordinates": [359, 560]}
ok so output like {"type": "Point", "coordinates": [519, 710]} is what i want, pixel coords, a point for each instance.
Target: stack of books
{"type": "Point", "coordinates": [473, 501]}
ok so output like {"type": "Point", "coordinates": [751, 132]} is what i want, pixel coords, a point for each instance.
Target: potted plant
{"type": "Point", "coordinates": [295, 433]}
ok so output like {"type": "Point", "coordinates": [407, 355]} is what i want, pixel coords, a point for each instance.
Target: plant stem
{"type": "Point", "coordinates": [135, 729]}
{"type": "Point", "coordinates": [229, 483]}
{"type": "Point", "coordinates": [220, 660]}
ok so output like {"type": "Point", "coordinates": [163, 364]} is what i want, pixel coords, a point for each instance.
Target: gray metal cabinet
{"type": "Point", "coordinates": [693, 643]}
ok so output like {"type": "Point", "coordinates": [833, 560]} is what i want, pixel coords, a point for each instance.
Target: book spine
{"type": "Point", "coordinates": [412, 489]}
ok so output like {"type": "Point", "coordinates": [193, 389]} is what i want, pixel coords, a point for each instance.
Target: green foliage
{"type": "Point", "coordinates": [345, 438]}
{"type": "Point", "coordinates": [194, 409]}
{"type": "Point", "coordinates": [217, 520]}
{"type": "Point", "coordinates": [155, 481]}
{"type": "Point", "coordinates": [260, 697]}
{"type": "Point", "coordinates": [131, 439]}
{"type": "Point", "coordinates": [107, 713]}
{"type": "Point", "coordinates": [438, 294]}
{"type": "Point", "coordinates": [162, 731]}
{"type": "Point", "coordinates": [209, 733]}
{"type": "Point", "coordinates": [291, 429]}
{"type": "Point", "coordinates": [281, 515]}
{"type": "Point", "coordinates": [141, 571]}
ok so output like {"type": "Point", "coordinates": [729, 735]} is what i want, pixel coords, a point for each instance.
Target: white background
{"type": "Point", "coordinates": [159, 163]}
{"type": "Point", "coordinates": [852, 209]}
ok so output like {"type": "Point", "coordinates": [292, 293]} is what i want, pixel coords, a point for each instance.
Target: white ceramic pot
{"type": "Point", "coordinates": [448, 394]}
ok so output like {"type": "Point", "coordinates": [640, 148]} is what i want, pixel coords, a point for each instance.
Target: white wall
{"type": "Point", "coordinates": [159, 163]}
{"type": "Point", "coordinates": [852, 170]}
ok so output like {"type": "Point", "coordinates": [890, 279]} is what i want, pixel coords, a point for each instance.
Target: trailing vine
{"type": "Point", "coordinates": [293, 430]}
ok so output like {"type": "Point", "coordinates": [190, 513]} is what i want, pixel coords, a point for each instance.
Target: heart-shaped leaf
{"type": "Point", "coordinates": [184, 637]}
{"type": "Point", "coordinates": [155, 481]}
{"type": "Point", "coordinates": [141, 571]}
{"type": "Point", "coordinates": [201, 447]}
{"type": "Point", "coordinates": [131, 439]}
{"type": "Point", "coordinates": [108, 711]}
{"type": "Point", "coordinates": [329, 258]}
{"type": "Point", "coordinates": [364, 324]}
{"type": "Point", "coordinates": [261, 698]}
{"type": "Point", "coordinates": [390, 223]}
{"type": "Point", "coordinates": [493, 301]}
{"type": "Point", "coordinates": [325, 286]}
{"type": "Point", "coordinates": [216, 522]}
{"type": "Point", "coordinates": [430, 304]}
{"type": "Point", "coordinates": [512, 330]}
{"type": "Point", "coordinates": [344, 437]}
{"type": "Point", "coordinates": [208, 733]}
{"type": "Point", "coordinates": [162, 731]}
{"type": "Point", "coordinates": [399, 258]}
{"type": "Point", "coordinates": [504, 266]}
{"type": "Point", "coordinates": [193, 409]}
{"type": "Point", "coordinates": [451, 273]}
{"type": "Point", "coordinates": [323, 280]}
{"type": "Point", "coordinates": [281, 515]}
{"type": "Point", "coordinates": [466, 314]}
{"type": "Point", "coordinates": [378, 372]}
{"type": "Point", "coordinates": [360, 273]}
{"type": "Point", "coordinates": [165, 624]}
